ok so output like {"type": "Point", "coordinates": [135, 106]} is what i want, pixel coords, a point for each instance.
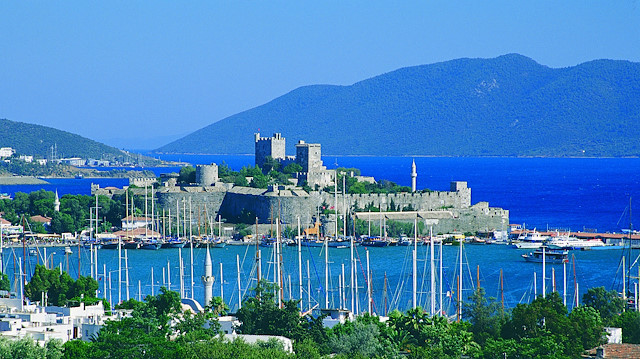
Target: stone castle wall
{"type": "Point", "coordinates": [288, 205]}
{"type": "Point", "coordinates": [419, 201]}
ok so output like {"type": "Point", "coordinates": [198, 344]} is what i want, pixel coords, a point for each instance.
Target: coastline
{"type": "Point", "coordinates": [21, 180]}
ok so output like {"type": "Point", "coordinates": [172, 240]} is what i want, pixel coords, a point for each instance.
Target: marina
{"type": "Point", "coordinates": [390, 265]}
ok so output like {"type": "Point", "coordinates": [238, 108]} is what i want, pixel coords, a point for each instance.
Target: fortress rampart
{"type": "Point", "coordinates": [447, 210]}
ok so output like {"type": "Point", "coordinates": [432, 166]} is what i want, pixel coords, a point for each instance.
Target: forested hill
{"type": "Point", "coordinates": [505, 106]}
{"type": "Point", "coordinates": [37, 140]}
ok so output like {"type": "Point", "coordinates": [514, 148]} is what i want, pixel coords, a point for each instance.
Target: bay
{"type": "Point", "coordinates": [391, 265]}
{"type": "Point", "coordinates": [571, 193]}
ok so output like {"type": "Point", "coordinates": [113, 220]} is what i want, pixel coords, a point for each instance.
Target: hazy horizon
{"type": "Point", "coordinates": [149, 73]}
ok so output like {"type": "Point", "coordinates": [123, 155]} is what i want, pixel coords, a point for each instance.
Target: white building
{"type": "Point", "coordinates": [73, 161]}
{"type": "Point", "coordinates": [27, 159]}
{"type": "Point", "coordinates": [130, 223]}
{"type": "Point", "coordinates": [6, 152]}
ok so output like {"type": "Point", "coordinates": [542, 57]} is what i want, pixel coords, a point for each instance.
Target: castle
{"type": "Point", "coordinates": [446, 211]}
{"type": "Point", "coordinates": [308, 156]}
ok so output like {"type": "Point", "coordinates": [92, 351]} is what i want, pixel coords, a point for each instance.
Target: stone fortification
{"type": "Point", "coordinates": [479, 217]}
{"type": "Point", "coordinates": [451, 209]}
{"type": "Point", "coordinates": [458, 197]}
{"type": "Point", "coordinates": [203, 201]}
{"type": "Point", "coordinates": [273, 147]}
{"type": "Point", "coordinates": [206, 175]}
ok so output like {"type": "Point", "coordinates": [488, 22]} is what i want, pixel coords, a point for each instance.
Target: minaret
{"type": "Point", "coordinates": [207, 279]}
{"type": "Point", "coordinates": [414, 175]}
{"type": "Point", "coordinates": [56, 203]}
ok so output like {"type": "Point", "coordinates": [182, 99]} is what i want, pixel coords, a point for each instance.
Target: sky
{"type": "Point", "coordinates": [139, 74]}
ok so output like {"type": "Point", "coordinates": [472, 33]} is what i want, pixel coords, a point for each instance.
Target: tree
{"type": "Point", "coordinates": [587, 327]}
{"type": "Point", "coordinates": [187, 175]}
{"type": "Point", "coordinates": [433, 336]}
{"type": "Point", "coordinates": [543, 328]}
{"type": "Point", "coordinates": [486, 317]}
{"type": "Point", "coordinates": [60, 288]}
{"type": "Point", "coordinates": [292, 168]}
{"type": "Point", "coordinates": [261, 315]}
{"type": "Point", "coordinates": [362, 340]}
{"type": "Point", "coordinates": [270, 164]}
{"type": "Point", "coordinates": [608, 303]}
{"type": "Point", "coordinates": [630, 323]}
{"type": "Point", "coordinates": [4, 282]}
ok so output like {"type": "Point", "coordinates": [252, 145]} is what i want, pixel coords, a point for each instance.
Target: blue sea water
{"type": "Point", "coordinates": [566, 193]}
{"type": "Point", "coordinates": [391, 265]}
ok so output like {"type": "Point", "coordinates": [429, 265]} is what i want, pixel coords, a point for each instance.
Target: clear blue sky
{"type": "Point", "coordinates": [138, 74]}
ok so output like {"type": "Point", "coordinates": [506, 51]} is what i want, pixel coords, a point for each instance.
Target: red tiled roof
{"type": "Point", "coordinates": [141, 219]}
{"type": "Point", "coordinates": [619, 351]}
{"type": "Point", "coordinates": [41, 219]}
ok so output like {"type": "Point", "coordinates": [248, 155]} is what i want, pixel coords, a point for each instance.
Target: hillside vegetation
{"type": "Point", "coordinates": [37, 140]}
{"type": "Point", "coordinates": [506, 106]}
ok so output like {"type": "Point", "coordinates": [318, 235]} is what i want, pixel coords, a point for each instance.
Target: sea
{"type": "Point", "coordinates": [577, 194]}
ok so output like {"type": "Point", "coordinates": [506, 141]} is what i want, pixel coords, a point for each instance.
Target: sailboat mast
{"type": "Point", "coordinates": [239, 284]}
{"type": "Point", "coordinates": [352, 279]}
{"type": "Point", "coordinates": [369, 301]}
{"type": "Point", "coordinates": [326, 269]}
{"type": "Point", "coordinates": [414, 272]}
{"type": "Point", "coordinates": [432, 272]}
{"type": "Point", "coordinates": [460, 282]}
{"type": "Point", "coordinates": [344, 206]}
{"type": "Point", "coordinates": [177, 218]}
{"type": "Point", "coordinates": [191, 280]}
{"type": "Point", "coordinates": [441, 309]}
{"type": "Point", "coordinates": [544, 272]}
{"type": "Point", "coordinates": [221, 284]}
{"type": "Point", "coordinates": [300, 263]}
{"type": "Point", "coordinates": [564, 283]}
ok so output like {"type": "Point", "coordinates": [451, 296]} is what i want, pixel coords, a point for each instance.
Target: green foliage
{"type": "Point", "coordinates": [218, 307]}
{"type": "Point", "coordinates": [74, 210]}
{"type": "Point", "coordinates": [362, 340]}
{"type": "Point", "coordinates": [543, 328]}
{"type": "Point", "coordinates": [4, 282]}
{"type": "Point", "coordinates": [454, 108]}
{"type": "Point", "coordinates": [431, 336]}
{"type": "Point", "coordinates": [292, 168]}
{"type": "Point", "coordinates": [187, 175]}
{"type": "Point", "coordinates": [76, 349]}
{"type": "Point", "coordinates": [26, 348]}
{"type": "Point", "coordinates": [608, 303]}
{"type": "Point", "coordinates": [486, 317]}
{"type": "Point", "coordinates": [61, 289]}
{"type": "Point", "coordinates": [629, 321]}
{"type": "Point", "coordinates": [221, 349]}
{"type": "Point", "coordinates": [270, 164]}
{"type": "Point", "coordinates": [261, 315]}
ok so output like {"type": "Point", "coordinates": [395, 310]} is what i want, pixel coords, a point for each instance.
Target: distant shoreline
{"type": "Point", "coordinates": [20, 180]}
{"type": "Point", "coordinates": [399, 156]}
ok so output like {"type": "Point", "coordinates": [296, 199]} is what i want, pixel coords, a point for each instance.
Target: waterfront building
{"type": "Point", "coordinates": [131, 222]}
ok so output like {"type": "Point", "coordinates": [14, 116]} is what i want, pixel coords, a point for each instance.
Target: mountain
{"type": "Point", "coordinates": [37, 140]}
{"type": "Point", "coordinates": [505, 106]}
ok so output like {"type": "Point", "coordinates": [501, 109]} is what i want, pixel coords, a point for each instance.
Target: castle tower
{"type": "Point", "coordinates": [207, 279]}
{"type": "Point", "coordinates": [414, 176]}
{"type": "Point", "coordinates": [273, 147]}
{"type": "Point", "coordinates": [56, 203]}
